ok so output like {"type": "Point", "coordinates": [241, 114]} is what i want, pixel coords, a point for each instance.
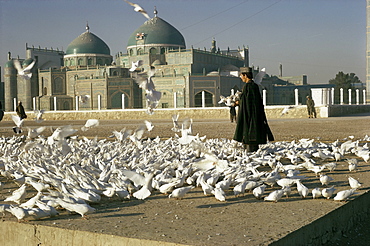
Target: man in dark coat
{"type": "Point", "coordinates": [20, 111]}
{"type": "Point", "coordinates": [252, 128]}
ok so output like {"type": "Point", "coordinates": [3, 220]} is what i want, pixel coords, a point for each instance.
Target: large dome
{"type": "Point", "coordinates": [157, 32]}
{"type": "Point", "coordinates": [88, 43]}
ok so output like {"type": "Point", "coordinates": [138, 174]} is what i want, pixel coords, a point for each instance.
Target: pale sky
{"type": "Point", "coordinates": [318, 38]}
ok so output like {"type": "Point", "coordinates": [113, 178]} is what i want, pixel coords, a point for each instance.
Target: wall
{"type": "Point", "coordinates": [272, 112]}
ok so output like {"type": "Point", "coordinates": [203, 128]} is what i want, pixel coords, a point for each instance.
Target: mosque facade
{"type": "Point", "coordinates": [186, 77]}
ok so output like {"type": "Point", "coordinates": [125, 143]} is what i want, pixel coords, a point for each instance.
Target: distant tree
{"type": "Point", "coordinates": [345, 81]}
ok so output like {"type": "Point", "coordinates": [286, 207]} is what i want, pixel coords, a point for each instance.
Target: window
{"type": "Point", "coordinates": [164, 105]}
{"type": "Point", "coordinates": [153, 51]}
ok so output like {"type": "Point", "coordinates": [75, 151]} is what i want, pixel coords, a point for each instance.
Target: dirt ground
{"type": "Point", "coordinates": [201, 220]}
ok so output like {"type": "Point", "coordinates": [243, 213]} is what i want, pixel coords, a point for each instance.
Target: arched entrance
{"type": "Point", "coordinates": [116, 100]}
{"type": "Point", "coordinates": [208, 99]}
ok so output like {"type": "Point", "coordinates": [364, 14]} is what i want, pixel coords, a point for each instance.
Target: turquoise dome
{"type": "Point", "coordinates": [88, 43]}
{"type": "Point", "coordinates": [159, 32]}
{"type": "Point", "coordinates": [9, 64]}
{"type": "Point", "coordinates": [27, 62]}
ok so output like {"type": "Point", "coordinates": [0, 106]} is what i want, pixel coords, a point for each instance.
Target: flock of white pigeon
{"type": "Point", "coordinates": [73, 173]}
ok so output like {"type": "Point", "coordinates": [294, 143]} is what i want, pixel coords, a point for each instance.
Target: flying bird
{"type": "Point", "coordinates": [24, 72]}
{"type": "Point", "coordinates": [38, 114]}
{"type": "Point", "coordinates": [84, 99]}
{"type": "Point", "coordinates": [258, 78]}
{"type": "Point", "coordinates": [138, 8]}
{"type": "Point", "coordinates": [135, 65]}
{"type": "Point", "coordinates": [89, 124]}
{"type": "Point", "coordinates": [18, 124]}
{"type": "Point", "coordinates": [286, 110]}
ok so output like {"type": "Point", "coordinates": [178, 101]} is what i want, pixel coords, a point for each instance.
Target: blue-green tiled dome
{"type": "Point", "coordinates": [88, 43]}
{"type": "Point", "coordinates": [9, 63]}
{"type": "Point", "coordinates": [158, 31]}
{"type": "Point", "coordinates": [27, 62]}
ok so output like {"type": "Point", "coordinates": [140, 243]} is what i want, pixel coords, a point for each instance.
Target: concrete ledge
{"type": "Point", "coordinates": [331, 226]}
{"type": "Point", "coordinates": [14, 233]}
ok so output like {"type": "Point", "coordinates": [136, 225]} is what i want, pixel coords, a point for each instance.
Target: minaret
{"type": "Point", "coordinates": [281, 70]}
{"type": "Point", "coordinates": [213, 48]}
{"type": "Point", "coordinates": [10, 84]}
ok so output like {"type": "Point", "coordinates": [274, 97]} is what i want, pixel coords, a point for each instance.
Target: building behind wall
{"type": "Point", "coordinates": [183, 75]}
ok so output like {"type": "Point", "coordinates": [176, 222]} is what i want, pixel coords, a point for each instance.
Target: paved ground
{"type": "Point", "coordinates": [199, 220]}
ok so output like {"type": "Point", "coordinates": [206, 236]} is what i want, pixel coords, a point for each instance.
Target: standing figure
{"type": "Point", "coordinates": [310, 107]}
{"type": "Point", "coordinates": [252, 128]}
{"type": "Point", "coordinates": [233, 111]}
{"type": "Point", "coordinates": [20, 111]}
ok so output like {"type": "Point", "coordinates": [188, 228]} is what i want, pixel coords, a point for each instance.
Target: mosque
{"type": "Point", "coordinates": [186, 77]}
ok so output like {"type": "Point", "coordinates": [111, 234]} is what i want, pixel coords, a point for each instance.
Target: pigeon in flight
{"type": "Point", "coordinates": [135, 65]}
{"type": "Point", "coordinates": [24, 72]}
{"type": "Point", "coordinates": [138, 8]}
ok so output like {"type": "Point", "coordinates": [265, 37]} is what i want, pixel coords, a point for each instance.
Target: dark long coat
{"type": "Point", "coordinates": [252, 126]}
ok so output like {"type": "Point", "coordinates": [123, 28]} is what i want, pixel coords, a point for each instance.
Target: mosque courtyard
{"type": "Point", "coordinates": [203, 220]}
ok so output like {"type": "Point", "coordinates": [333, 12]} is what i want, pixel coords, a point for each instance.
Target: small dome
{"type": "Point", "coordinates": [230, 67]}
{"type": "Point", "coordinates": [27, 62]}
{"type": "Point", "coordinates": [213, 73]}
{"type": "Point", "coordinates": [9, 64]}
{"type": "Point", "coordinates": [158, 32]}
{"type": "Point", "coordinates": [88, 43]}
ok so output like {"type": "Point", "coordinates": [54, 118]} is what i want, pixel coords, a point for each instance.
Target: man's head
{"type": "Point", "coordinates": [246, 71]}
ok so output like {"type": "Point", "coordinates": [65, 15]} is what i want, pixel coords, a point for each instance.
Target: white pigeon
{"type": "Point", "coordinates": [138, 9]}
{"type": "Point", "coordinates": [24, 72]}
{"type": "Point", "coordinates": [18, 124]}
{"type": "Point", "coordinates": [258, 78]}
{"type": "Point", "coordinates": [34, 133]}
{"type": "Point", "coordinates": [354, 183]}
{"type": "Point", "coordinates": [32, 201]}
{"type": "Point", "coordinates": [207, 188]}
{"type": "Point", "coordinates": [240, 188]}
{"type": "Point", "coordinates": [39, 186]}
{"type": "Point", "coordinates": [61, 133]}
{"type": "Point", "coordinates": [146, 190]}
{"type": "Point", "coordinates": [81, 208]}
{"type": "Point", "coordinates": [84, 99]}
{"type": "Point", "coordinates": [274, 196]}
{"type": "Point", "coordinates": [135, 65]}
{"type": "Point", "coordinates": [258, 191]}
{"type": "Point", "coordinates": [330, 166]}
{"type": "Point", "coordinates": [328, 192]}
{"type": "Point", "coordinates": [179, 193]}
{"type": "Point", "coordinates": [175, 121]}
{"type": "Point", "coordinates": [18, 212]}
{"type": "Point", "coordinates": [316, 193]}
{"type": "Point", "coordinates": [149, 125]}
{"type": "Point", "coordinates": [344, 194]}
{"type": "Point", "coordinates": [144, 80]}
{"type": "Point", "coordinates": [89, 124]}
{"type": "Point", "coordinates": [286, 110]}
{"type": "Point", "coordinates": [38, 114]}
{"type": "Point", "coordinates": [18, 195]}
{"type": "Point", "coordinates": [122, 135]}
{"type": "Point", "coordinates": [325, 179]}
{"type": "Point", "coordinates": [302, 189]}
{"type": "Point", "coordinates": [352, 164]}
{"type": "Point", "coordinates": [219, 194]}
